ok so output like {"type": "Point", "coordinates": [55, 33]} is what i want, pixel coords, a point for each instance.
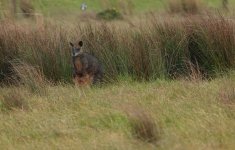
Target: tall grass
{"type": "Point", "coordinates": [30, 77]}
{"type": "Point", "coordinates": [184, 6]}
{"type": "Point", "coordinates": [40, 47]}
{"type": "Point", "coordinates": [157, 49]}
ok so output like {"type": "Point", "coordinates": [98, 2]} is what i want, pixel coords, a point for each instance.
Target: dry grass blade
{"type": "Point", "coordinates": [227, 94]}
{"type": "Point", "coordinates": [195, 73]}
{"type": "Point", "coordinates": [14, 100]}
{"type": "Point", "coordinates": [31, 77]}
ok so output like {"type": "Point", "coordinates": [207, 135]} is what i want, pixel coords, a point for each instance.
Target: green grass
{"type": "Point", "coordinates": [189, 115]}
{"type": "Point", "coordinates": [186, 114]}
{"type": "Point", "coordinates": [94, 4]}
{"type": "Point", "coordinates": [73, 6]}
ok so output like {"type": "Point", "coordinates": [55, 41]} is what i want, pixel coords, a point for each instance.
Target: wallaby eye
{"type": "Point", "coordinates": [80, 43]}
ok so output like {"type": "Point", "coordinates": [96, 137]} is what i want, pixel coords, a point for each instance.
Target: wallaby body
{"type": "Point", "coordinates": [87, 70]}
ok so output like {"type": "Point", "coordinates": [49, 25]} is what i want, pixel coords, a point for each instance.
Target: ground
{"type": "Point", "coordinates": [187, 115]}
{"type": "Point", "coordinates": [162, 110]}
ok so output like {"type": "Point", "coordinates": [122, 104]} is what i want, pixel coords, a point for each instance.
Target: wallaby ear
{"type": "Point", "coordinates": [80, 43]}
{"type": "Point", "coordinates": [71, 44]}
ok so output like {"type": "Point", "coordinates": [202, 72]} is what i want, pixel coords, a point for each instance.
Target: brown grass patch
{"type": "Point", "coordinates": [14, 100]}
{"type": "Point", "coordinates": [31, 77]}
{"type": "Point", "coordinates": [143, 125]}
{"type": "Point", "coordinates": [26, 8]}
{"type": "Point", "coordinates": [227, 94]}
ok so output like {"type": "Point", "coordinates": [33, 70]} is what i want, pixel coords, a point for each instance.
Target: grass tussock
{"type": "Point", "coordinates": [143, 125]}
{"type": "Point", "coordinates": [13, 100]}
{"type": "Point", "coordinates": [30, 77]}
{"type": "Point", "coordinates": [37, 47]}
{"type": "Point", "coordinates": [159, 49]}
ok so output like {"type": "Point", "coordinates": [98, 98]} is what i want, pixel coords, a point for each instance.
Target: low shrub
{"type": "Point", "coordinates": [109, 14]}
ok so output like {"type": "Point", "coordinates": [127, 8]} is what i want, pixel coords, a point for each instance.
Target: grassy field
{"type": "Point", "coordinates": [169, 78]}
{"type": "Point", "coordinates": [72, 7]}
{"type": "Point", "coordinates": [178, 114]}
{"type": "Point", "coordinates": [139, 5]}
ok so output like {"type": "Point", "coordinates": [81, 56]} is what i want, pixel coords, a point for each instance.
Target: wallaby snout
{"type": "Point", "coordinates": [76, 48]}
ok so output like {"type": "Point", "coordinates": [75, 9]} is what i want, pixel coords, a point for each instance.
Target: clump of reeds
{"type": "Point", "coordinates": [11, 36]}
{"type": "Point", "coordinates": [167, 49]}
{"type": "Point", "coordinates": [42, 47]}
{"type": "Point", "coordinates": [31, 77]}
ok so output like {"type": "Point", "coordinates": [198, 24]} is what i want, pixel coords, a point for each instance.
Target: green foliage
{"type": "Point", "coordinates": [72, 7]}
{"type": "Point", "coordinates": [109, 14]}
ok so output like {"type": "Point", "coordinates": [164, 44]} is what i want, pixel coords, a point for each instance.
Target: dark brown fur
{"type": "Point", "coordinates": [87, 69]}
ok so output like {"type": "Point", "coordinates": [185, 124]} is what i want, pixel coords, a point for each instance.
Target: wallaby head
{"type": "Point", "coordinates": [76, 48]}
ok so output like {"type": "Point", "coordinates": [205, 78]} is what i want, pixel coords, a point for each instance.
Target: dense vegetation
{"type": "Point", "coordinates": [169, 75]}
{"type": "Point", "coordinates": [143, 51]}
